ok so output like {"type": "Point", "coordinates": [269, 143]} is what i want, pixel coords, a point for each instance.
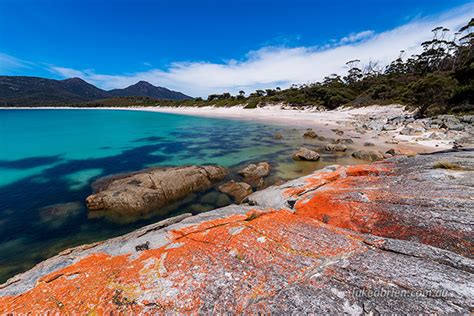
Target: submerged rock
{"type": "Point", "coordinates": [237, 190]}
{"type": "Point", "coordinates": [305, 154]}
{"type": "Point", "coordinates": [336, 147]}
{"type": "Point", "coordinates": [152, 188]}
{"type": "Point", "coordinates": [278, 136]}
{"type": "Point", "coordinates": [343, 141]}
{"type": "Point", "coordinates": [390, 237]}
{"type": "Point", "coordinates": [262, 169]}
{"type": "Point", "coordinates": [368, 155]}
{"type": "Point", "coordinates": [310, 134]}
{"type": "Point", "coordinates": [253, 174]}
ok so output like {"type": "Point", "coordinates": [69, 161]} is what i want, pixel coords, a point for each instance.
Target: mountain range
{"type": "Point", "coordinates": [26, 91]}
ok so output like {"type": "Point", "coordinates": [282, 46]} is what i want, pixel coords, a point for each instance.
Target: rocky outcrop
{"type": "Point", "coordinates": [394, 237]}
{"type": "Point", "coordinates": [305, 154]}
{"type": "Point", "coordinates": [237, 190]}
{"type": "Point", "coordinates": [152, 188]}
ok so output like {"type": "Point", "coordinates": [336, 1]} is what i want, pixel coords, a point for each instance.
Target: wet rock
{"type": "Point", "coordinates": [336, 147]}
{"type": "Point", "coordinates": [343, 141]}
{"type": "Point", "coordinates": [278, 136]}
{"type": "Point", "coordinates": [58, 214]}
{"type": "Point", "coordinates": [338, 131]}
{"type": "Point", "coordinates": [368, 155]}
{"type": "Point", "coordinates": [369, 144]}
{"type": "Point", "coordinates": [254, 174]}
{"type": "Point", "coordinates": [310, 134]}
{"type": "Point", "coordinates": [262, 169]}
{"type": "Point", "coordinates": [305, 154]}
{"type": "Point", "coordinates": [237, 190]}
{"type": "Point", "coordinates": [152, 188]}
{"type": "Point", "coordinates": [401, 151]}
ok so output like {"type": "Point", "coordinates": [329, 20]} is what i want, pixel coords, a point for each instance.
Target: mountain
{"type": "Point", "coordinates": [26, 91]}
{"type": "Point", "coordinates": [145, 89]}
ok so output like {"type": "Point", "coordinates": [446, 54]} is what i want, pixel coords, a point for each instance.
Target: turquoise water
{"type": "Point", "coordinates": [49, 158]}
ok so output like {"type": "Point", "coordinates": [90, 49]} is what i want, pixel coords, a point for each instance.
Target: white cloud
{"type": "Point", "coordinates": [355, 37]}
{"type": "Point", "coordinates": [283, 66]}
{"type": "Point", "coordinates": [9, 63]}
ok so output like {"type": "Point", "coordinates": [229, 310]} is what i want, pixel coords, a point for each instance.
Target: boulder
{"type": "Point", "coordinates": [278, 136]}
{"type": "Point", "coordinates": [392, 141]}
{"type": "Point", "coordinates": [368, 155]}
{"type": "Point", "coordinates": [310, 134]}
{"type": "Point", "coordinates": [305, 154]}
{"type": "Point", "coordinates": [338, 131]}
{"type": "Point", "coordinates": [343, 141]}
{"type": "Point", "coordinates": [237, 190]}
{"type": "Point", "coordinates": [254, 174]}
{"type": "Point", "coordinates": [336, 147]}
{"type": "Point", "coordinates": [152, 188]}
{"type": "Point", "coordinates": [262, 169]}
{"type": "Point", "coordinates": [401, 151]}
{"type": "Point", "coordinates": [412, 129]}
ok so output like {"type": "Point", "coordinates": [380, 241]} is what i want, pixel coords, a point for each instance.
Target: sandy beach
{"type": "Point", "coordinates": [325, 123]}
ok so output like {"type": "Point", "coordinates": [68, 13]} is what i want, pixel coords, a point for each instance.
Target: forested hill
{"type": "Point", "coordinates": [31, 91]}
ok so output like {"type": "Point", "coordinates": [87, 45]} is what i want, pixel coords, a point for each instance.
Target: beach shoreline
{"type": "Point", "coordinates": [323, 122]}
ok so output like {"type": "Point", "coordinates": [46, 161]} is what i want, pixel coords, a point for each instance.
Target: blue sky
{"type": "Point", "coordinates": [202, 47]}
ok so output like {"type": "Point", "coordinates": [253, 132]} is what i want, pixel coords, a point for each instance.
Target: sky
{"type": "Point", "coordinates": [203, 47]}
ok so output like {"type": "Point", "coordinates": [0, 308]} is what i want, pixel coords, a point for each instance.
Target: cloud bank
{"type": "Point", "coordinates": [272, 66]}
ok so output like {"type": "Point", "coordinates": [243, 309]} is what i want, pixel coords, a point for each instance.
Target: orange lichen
{"type": "Point", "coordinates": [253, 256]}
{"type": "Point", "coordinates": [245, 257]}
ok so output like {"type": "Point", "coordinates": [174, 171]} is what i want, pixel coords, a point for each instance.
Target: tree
{"type": "Point", "coordinates": [431, 92]}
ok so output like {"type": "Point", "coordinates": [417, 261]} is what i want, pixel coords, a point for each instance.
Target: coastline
{"type": "Point", "coordinates": [323, 122]}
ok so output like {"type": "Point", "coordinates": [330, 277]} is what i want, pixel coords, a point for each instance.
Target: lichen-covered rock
{"type": "Point", "coordinates": [305, 154]}
{"type": "Point", "coordinates": [152, 188]}
{"type": "Point", "coordinates": [368, 155]}
{"type": "Point", "coordinates": [394, 237]}
{"type": "Point", "coordinates": [238, 190]}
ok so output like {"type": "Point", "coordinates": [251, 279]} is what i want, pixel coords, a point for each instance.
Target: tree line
{"type": "Point", "coordinates": [440, 79]}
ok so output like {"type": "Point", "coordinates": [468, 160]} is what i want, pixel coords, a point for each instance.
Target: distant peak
{"type": "Point", "coordinates": [143, 83]}
{"type": "Point", "coordinates": [74, 79]}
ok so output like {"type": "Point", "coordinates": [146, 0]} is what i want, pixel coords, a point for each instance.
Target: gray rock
{"type": "Point", "coordinates": [152, 188]}
{"type": "Point", "coordinates": [336, 147]}
{"type": "Point", "coordinates": [237, 190]}
{"type": "Point", "coordinates": [310, 134]}
{"type": "Point", "coordinates": [305, 154]}
{"type": "Point", "coordinates": [343, 141]}
{"type": "Point", "coordinates": [368, 155]}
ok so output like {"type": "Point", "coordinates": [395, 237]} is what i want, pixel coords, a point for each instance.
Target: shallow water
{"type": "Point", "coordinates": [49, 158]}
